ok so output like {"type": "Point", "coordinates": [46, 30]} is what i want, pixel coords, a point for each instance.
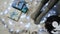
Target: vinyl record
{"type": "Point", "coordinates": [51, 23]}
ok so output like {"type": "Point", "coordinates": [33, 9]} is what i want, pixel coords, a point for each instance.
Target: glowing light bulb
{"type": "Point", "coordinates": [5, 3]}
{"type": "Point", "coordinates": [11, 30]}
{"type": "Point", "coordinates": [27, 25]}
{"type": "Point", "coordinates": [10, 22]}
{"type": "Point", "coordinates": [9, 8]}
{"type": "Point", "coordinates": [42, 21]}
{"type": "Point", "coordinates": [5, 12]}
{"type": "Point", "coordinates": [39, 26]}
{"type": "Point", "coordinates": [35, 3]}
{"type": "Point", "coordinates": [3, 19]}
{"type": "Point", "coordinates": [17, 31]}
{"type": "Point", "coordinates": [21, 22]}
{"type": "Point", "coordinates": [23, 15]}
{"type": "Point", "coordinates": [46, 4]}
{"type": "Point", "coordinates": [55, 6]}
{"type": "Point", "coordinates": [1, 13]}
{"type": "Point", "coordinates": [27, 5]}
{"type": "Point", "coordinates": [5, 26]}
{"type": "Point", "coordinates": [49, 15]}
{"type": "Point", "coordinates": [28, 17]}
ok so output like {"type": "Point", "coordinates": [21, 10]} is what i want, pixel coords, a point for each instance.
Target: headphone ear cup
{"type": "Point", "coordinates": [49, 22]}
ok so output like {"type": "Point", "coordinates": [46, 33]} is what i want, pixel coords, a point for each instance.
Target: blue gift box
{"type": "Point", "coordinates": [18, 4]}
{"type": "Point", "coordinates": [24, 9]}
